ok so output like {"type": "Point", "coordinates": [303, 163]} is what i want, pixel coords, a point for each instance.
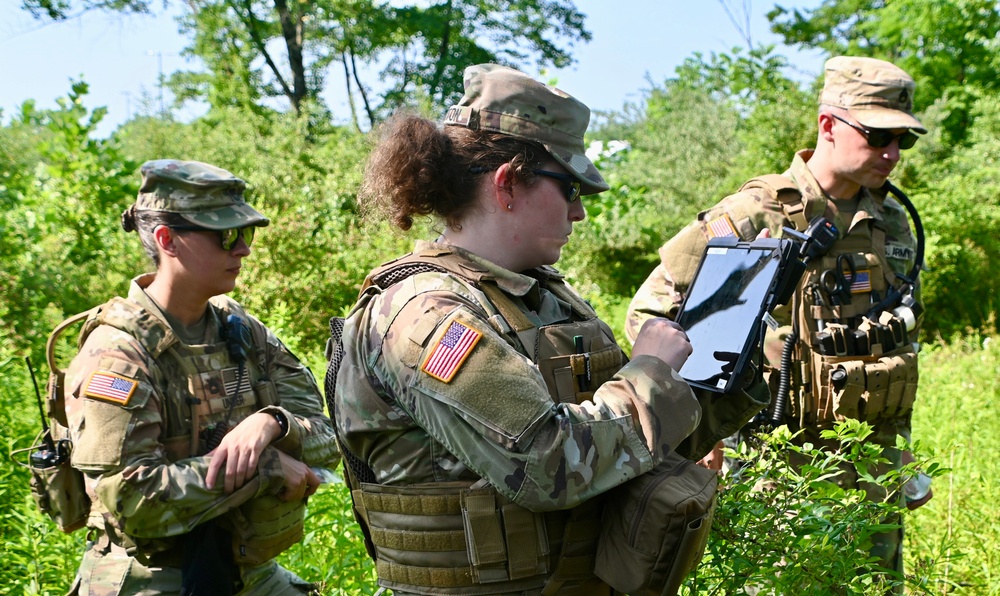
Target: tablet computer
{"type": "Point", "coordinates": [735, 285]}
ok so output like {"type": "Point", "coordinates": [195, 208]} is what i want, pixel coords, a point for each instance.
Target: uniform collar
{"type": "Point", "coordinates": [524, 284]}
{"type": "Point", "coordinates": [137, 293]}
{"type": "Point", "coordinates": [818, 202]}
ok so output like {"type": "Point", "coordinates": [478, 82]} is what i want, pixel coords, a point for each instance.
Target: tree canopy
{"type": "Point", "coordinates": [256, 50]}
{"type": "Point", "coordinates": [948, 46]}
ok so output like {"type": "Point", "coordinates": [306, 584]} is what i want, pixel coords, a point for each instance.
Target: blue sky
{"type": "Point", "coordinates": [634, 41]}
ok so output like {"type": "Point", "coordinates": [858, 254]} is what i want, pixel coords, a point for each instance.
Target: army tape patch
{"type": "Point", "coordinates": [451, 351]}
{"type": "Point", "coordinates": [721, 227]}
{"type": "Point", "coordinates": [110, 387]}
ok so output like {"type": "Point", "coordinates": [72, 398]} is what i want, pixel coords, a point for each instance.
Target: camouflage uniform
{"type": "Point", "coordinates": [496, 421]}
{"type": "Point", "coordinates": [757, 207]}
{"type": "Point", "coordinates": [141, 404]}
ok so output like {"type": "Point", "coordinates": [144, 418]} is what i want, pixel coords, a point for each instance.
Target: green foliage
{"type": "Point", "coordinates": [58, 235]}
{"type": "Point", "coordinates": [791, 529]}
{"type": "Point", "coordinates": [332, 552]}
{"type": "Point", "coordinates": [957, 197]}
{"type": "Point", "coordinates": [952, 541]}
{"type": "Point", "coordinates": [948, 46]}
{"type": "Point", "coordinates": [691, 141]}
{"type": "Point", "coordinates": [695, 139]}
{"type": "Point", "coordinates": [34, 557]}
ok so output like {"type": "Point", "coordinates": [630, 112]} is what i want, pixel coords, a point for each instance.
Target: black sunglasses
{"type": "Point", "coordinates": [880, 137]}
{"type": "Point", "coordinates": [571, 186]}
{"type": "Point", "coordinates": [227, 238]}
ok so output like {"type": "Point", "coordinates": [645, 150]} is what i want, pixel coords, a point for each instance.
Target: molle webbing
{"type": "Point", "coordinates": [470, 540]}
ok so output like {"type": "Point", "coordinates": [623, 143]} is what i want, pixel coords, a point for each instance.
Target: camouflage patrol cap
{"type": "Point", "coordinates": [878, 94]}
{"type": "Point", "coordinates": [202, 194]}
{"type": "Point", "coordinates": [501, 99]}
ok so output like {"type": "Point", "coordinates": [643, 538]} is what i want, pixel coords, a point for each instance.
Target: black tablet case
{"type": "Point", "coordinates": [722, 313]}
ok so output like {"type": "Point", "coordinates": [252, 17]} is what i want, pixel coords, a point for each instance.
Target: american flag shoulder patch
{"type": "Point", "coordinates": [862, 282]}
{"type": "Point", "coordinates": [721, 227]}
{"type": "Point", "coordinates": [110, 387]}
{"type": "Point", "coordinates": [451, 351]}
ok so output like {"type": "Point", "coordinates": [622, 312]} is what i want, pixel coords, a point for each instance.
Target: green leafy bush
{"type": "Point", "coordinates": [787, 529]}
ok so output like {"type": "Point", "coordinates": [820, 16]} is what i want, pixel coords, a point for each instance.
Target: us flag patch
{"type": "Point", "coordinates": [862, 282]}
{"type": "Point", "coordinates": [110, 387]}
{"type": "Point", "coordinates": [721, 227]}
{"type": "Point", "coordinates": [229, 377]}
{"type": "Point", "coordinates": [451, 351]}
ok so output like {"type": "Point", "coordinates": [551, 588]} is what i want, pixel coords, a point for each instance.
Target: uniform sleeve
{"type": "Point", "coordinates": [310, 437]}
{"type": "Point", "coordinates": [743, 214]}
{"type": "Point", "coordinates": [487, 404]}
{"type": "Point", "coordinates": [116, 422]}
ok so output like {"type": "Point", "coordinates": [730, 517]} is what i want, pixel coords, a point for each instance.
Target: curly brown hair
{"type": "Point", "coordinates": [420, 168]}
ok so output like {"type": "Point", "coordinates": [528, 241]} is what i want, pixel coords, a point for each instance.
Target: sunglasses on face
{"type": "Point", "coordinates": [227, 238]}
{"type": "Point", "coordinates": [570, 185]}
{"type": "Point", "coordinates": [880, 137]}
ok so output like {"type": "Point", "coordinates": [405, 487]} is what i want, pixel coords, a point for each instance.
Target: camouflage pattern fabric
{"type": "Point", "coordinates": [877, 93]}
{"type": "Point", "coordinates": [746, 213]}
{"type": "Point", "coordinates": [494, 419]}
{"type": "Point", "coordinates": [501, 99]}
{"type": "Point", "coordinates": [750, 212]}
{"type": "Point", "coordinates": [201, 193]}
{"type": "Point", "coordinates": [133, 437]}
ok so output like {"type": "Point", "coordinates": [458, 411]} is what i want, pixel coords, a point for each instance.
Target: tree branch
{"type": "Point", "coordinates": [251, 22]}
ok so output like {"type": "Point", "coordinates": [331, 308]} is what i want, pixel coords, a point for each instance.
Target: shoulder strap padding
{"type": "Point", "coordinates": [784, 191]}
{"type": "Point", "coordinates": [150, 331]}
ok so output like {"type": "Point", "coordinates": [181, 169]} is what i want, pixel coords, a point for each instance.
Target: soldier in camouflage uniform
{"type": "Point", "coordinates": [160, 378]}
{"type": "Point", "coordinates": [865, 120]}
{"type": "Point", "coordinates": [481, 403]}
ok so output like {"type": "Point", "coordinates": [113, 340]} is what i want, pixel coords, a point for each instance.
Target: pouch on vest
{"type": "Point", "coordinates": [656, 527]}
{"type": "Point", "coordinates": [265, 527]}
{"type": "Point", "coordinates": [57, 487]}
{"type": "Point", "coordinates": [865, 388]}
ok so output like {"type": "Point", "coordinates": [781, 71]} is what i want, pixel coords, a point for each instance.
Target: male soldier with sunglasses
{"type": "Point", "coordinates": [865, 119]}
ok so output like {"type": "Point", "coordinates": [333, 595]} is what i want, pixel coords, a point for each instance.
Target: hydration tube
{"type": "Point", "coordinates": [893, 296]}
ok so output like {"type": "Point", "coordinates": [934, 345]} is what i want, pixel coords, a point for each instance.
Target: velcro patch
{"type": "Point", "coordinates": [862, 282]}
{"type": "Point", "coordinates": [451, 350]}
{"type": "Point", "coordinates": [721, 227]}
{"type": "Point", "coordinates": [110, 387]}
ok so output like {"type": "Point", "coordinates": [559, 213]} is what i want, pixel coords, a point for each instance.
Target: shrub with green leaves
{"type": "Point", "coordinates": [792, 529]}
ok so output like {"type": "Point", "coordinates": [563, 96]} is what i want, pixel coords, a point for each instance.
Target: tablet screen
{"type": "Point", "coordinates": [723, 308]}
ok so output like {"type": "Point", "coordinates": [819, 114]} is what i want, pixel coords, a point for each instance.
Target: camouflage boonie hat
{"type": "Point", "coordinates": [877, 93]}
{"type": "Point", "coordinates": [501, 99]}
{"type": "Point", "coordinates": [202, 194]}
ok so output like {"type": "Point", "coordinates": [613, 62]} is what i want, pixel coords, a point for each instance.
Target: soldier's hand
{"type": "Point", "coordinates": [300, 480]}
{"type": "Point", "coordinates": [664, 339]}
{"type": "Point", "coordinates": [713, 460]}
{"type": "Point", "coordinates": [240, 451]}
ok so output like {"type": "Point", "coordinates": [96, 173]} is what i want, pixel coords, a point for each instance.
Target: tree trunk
{"type": "Point", "coordinates": [293, 30]}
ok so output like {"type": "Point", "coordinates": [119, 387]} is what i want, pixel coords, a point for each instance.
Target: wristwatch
{"type": "Point", "coordinates": [282, 422]}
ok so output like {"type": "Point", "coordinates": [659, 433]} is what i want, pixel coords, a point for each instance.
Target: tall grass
{"type": "Point", "coordinates": [955, 538]}
{"type": "Point", "coordinates": [953, 542]}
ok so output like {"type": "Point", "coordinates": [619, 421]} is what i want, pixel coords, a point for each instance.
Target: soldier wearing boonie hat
{"type": "Point", "coordinates": [470, 438]}
{"type": "Point", "coordinates": [175, 390]}
{"type": "Point", "coordinates": [865, 119]}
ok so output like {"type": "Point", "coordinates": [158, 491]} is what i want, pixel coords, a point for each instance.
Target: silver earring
{"type": "Point", "coordinates": [509, 208]}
